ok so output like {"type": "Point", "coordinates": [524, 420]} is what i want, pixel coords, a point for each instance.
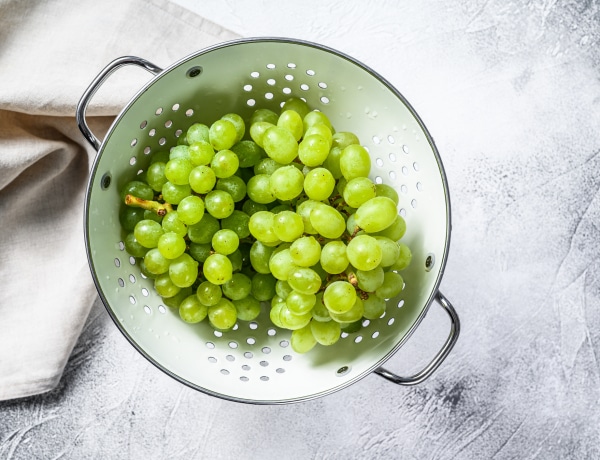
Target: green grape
{"type": "Point", "coordinates": [292, 321]}
{"type": "Point", "coordinates": [223, 315]}
{"type": "Point", "coordinates": [247, 308]}
{"type": "Point", "coordinates": [233, 185]}
{"type": "Point", "coordinates": [238, 222]}
{"type": "Point", "coordinates": [171, 245]}
{"type": "Point", "coordinates": [225, 241]}
{"type": "Point", "coordinates": [266, 166]}
{"type": "Point", "coordinates": [359, 190]}
{"type": "Point", "coordinates": [404, 258]}
{"type": "Point", "coordinates": [238, 287]}
{"type": "Point", "coordinates": [225, 163]}
{"type": "Point", "coordinates": [217, 269]}
{"type": "Point", "coordinates": [319, 310]}
{"type": "Point", "coordinates": [355, 162]}
{"type": "Point", "coordinates": [260, 255]}
{"type": "Point", "coordinates": [288, 226]}
{"type": "Point", "coordinates": [250, 207]}
{"type": "Point", "coordinates": [155, 176]}
{"type": "Point", "coordinates": [292, 121]}
{"type": "Point", "coordinates": [370, 280]}
{"type": "Point", "coordinates": [326, 333]}
{"type": "Point", "coordinates": [144, 271]}
{"type": "Point", "coordinates": [299, 303]}
{"type": "Point", "coordinates": [302, 340]}
{"type": "Point", "coordinates": [334, 259]}
{"type": "Point", "coordinates": [203, 231]}
{"type": "Point", "coordinates": [319, 184]}
{"type": "Point", "coordinates": [281, 264]}
{"type": "Point", "coordinates": [237, 260]}
{"type": "Point", "coordinates": [388, 191]}
{"type": "Point", "coordinates": [339, 297]}
{"type": "Point", "coordinates": [341, 185]}
{"type": "Point", "coordinates": [179, 152]}
{"type": "Point", "coordinates": [183, 270]}
{"type": "Point", "coordinates": [352, 327]}
{"type": "Point", "coordinates": [198, 132]}
{"type": "Point", "coordinates": [133, 247]}
{"type": "Point", "coordinates": [332, 162]}
{"type": "Point", "coordinates": [319, 270]}
{"type": "Point", "coordinates": [364, 252]}
{"type": "Point", "coordinates": [165, 287]}
{"type": "Point", "coordinates": [282, 289]}
{"type": "Point", "coordinates": [376, 214]}
{"type": "Point", "coordinates": [263, 286]}
{"type": "Point", "coordinates": [395, 231]}
{"type": "Point", "coordinates": [173, 193]}
{"type": "Point", "coordinates": [305, 251]}
{"type": "Point", "coordinates": [277, 306]}
{"type": "Point", "coordinates": [151, 215]}
{"type": "Point", "coordinates": [175, 301]}
{"type": "Point", "coordinates": [155, 262]}
{"type": "Point", "coordinates": [222, 134]}
{"type": "Point", "coordinates": [374, 307]}
{"type": "Point", "coordinates": [327, 221]}
{"type": "Point", "coordinates": [171, 223]}
{"type": "Point", "coordinates": [177, 171]}
{"type": "Point", "coordinates": [351, 226]}
{"type": "Point", "coordinates": [321, 130]}
{"type": "Point", "coordinates": [315, 118]}
{"type": "Point", "coordinates": [258, 130]}
{"type": "Point", "coordinates": [190, 210]}
{"type": "Point", "coordinates": [200, 251]}
{"type": "Point", "coordinates": [389, 249]}
{"type": "Point", "coordinates": [304, 280]}
{"type": "Point", "coordinates": [259, 189]}
{"type": "Point", "coordinates": [129, 217]}
{"type": "Point", "coordinates": [248, 152]}
{"type": "Point", "coordinates": [313, 150]}
{"type": "Point", "coordinates": [147, 232]}
{"type": "Point", "coordinates": [280, 145]}
{"type": "Point", "coordinates": [393, 283]}
{"type": "Point", "coordinates": [138, 189]}
{"type": "Point", "coordinates": [343, 139]}
{"type": "Point", "coordinates": [296, 104]}
{"type": "Point", "coordinates": [160, 157]}
{"type": "Point", "coordinates": [260, 115]}
{"type": "Point", "coordinates": [219, 204]}
{"type": "Point", "coordinates": [201, 153]}
{"type": "Point", "coordinates": [191, 310]}
{"type": "Point", "coordinates": [202, 179]}
{"type": "Point", "coordinates": [208, 293]}
{"type": "Point", "coordinates": [261, 227]}
{"type": "Point", "coordinates": [354, 314]}
{"type": "Point", "coordinates": [238, 123]}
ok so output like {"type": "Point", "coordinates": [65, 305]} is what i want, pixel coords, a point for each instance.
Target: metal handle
{"type": "Point", "coordinates": [441, 355]}
{"type": "Point", "coordinates": [95, 85]}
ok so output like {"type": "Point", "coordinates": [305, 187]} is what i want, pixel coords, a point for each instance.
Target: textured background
{"type": "Point", "coordinates": [510, 92]}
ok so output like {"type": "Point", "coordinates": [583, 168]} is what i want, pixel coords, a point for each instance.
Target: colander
{"type": "Point", "coordinates": [254, 362]}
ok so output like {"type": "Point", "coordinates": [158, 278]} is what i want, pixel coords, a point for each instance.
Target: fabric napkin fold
{"type": "Point", "coordinates": [50, 51]}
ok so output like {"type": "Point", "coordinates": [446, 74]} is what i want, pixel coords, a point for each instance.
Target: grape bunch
{"type": "Point", "coordinates": [281, 216]}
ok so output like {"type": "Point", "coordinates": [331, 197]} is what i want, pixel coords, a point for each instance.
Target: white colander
{"type": "Point", "coordinates": [255, 363]}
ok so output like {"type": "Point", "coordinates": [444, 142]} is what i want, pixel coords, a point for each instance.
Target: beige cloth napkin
{"type": "Point", "coordinates": [50, 51]}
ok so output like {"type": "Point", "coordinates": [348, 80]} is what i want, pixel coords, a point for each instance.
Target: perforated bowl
{"type": "Point", "coordinates": [254, 363]}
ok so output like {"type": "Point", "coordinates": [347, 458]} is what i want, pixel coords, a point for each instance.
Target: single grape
{"type": "Point", "coordinates": [248, 152]}
{"type": "Point", "coordinates": [319, 184]}
{"type": "Point", "coordinates": [389, 249]}
{"type": "Point", "coordinates": [247, 308]}
{"type": "Point", "coordinates": [175, 301]}
{"type": "Point", "coordinates": [266, 166]}
{"type": "Point", "coordinates": [288, 226]}
{"type": "Point", "coordinates": [172, 223]}
{"type": "Point", "coordinates": [260, 255]}
{"type": "Point", "coordinates": [260, 115]}
{"type": "Point", "coordinates": [258, 130]}
{"type": "Point", "coordinates": [133, 247]}
{"type": "Point", "coordinates": [183, 270]}
{"type": "Point", "coordinates": [225, 241]}
{"type": "Point", "coordinates": [222, 134]}
{"type": "Point", "coordinates": [208, 293]}
{"type": "Point", "coordinates": [354, 314]}
{"type": "Point", "coordinates": [359, 190]}
{"type": "Point", "coordinates": [200, 251]}
{"type": "Point", "coordinates": [313, 150]}
{"type": "Point", "coordinates": [364, 252]}
{"type": "Point", "coordinates": [238, 222]}
{"type": "Point", "coordinates": [203, 231]}
{"type": "Point", "coordinates": [155, 262]}
{"type": "Point", "coordinates": [315, 118]}
{"type": "Point", "coordinates": [332, 162]}
{"type": "Point", "coordinates": [238, 123]}
{"type": "Point", "coordinates": [233, 185]}
{"type": "Point", "coordinates": [250, 207]}
{"type": "Point", "coordinates": [339, 297]}
{"type": "Point", "coordinates": [376, 214]}
{"type": "Point", "coordinates": [156, 175]}
{"type": "Point", "coordinates": [299, 303]}
{"type": "Point", "coordinates": [326, 333]}
{"type": "Point", "coordinates": [343, 139]}
{"type": "Point", "coordinates": [191, 310]}
{"type": "Point", "coordinates": [179, 152]}
{"type": "Point", "coordinates": [355, 162]}
{"type": "Point", "coordinates": [237, 261]}
{"type": "Point", "coordinates": [304, 280]}
{"type": "Point", "coordinates": [321, 130]}
{"type": "Point", "coordinates": [395, 231]}
{"type": "Point", "coordinates": [374, 307]}
{"type": "Point", "coordinates": [202, 179]}
{"type": "Point", "coordinates": [286, 183]}
{"type": "Point", "coordinates": [219, 204]}
{"type": "Point", "coordinates": [177, 171]}
{"type": "Point", "coordinates": [292, 321]}
{"type": "Point", "coordinates": [388, 191]}
{"type": "Point", "coordinates": [393, 283]}
{"type": "Point", "coordinates": [319, 310]}
{"type": "Point", "coordinates": [190, 210]}
{"type": "Point", "coordinates": [223, 315]}
{"type": "Point", "coordinates": [147, 232]}
{"type": "Point", "coordinates": [259, 189]}
{"type": "Point", "coordinates": [277, 304]}
{"type": "Point", "coordinates": [282, 289]}
{"type": "Point", "coordinates": [171, 245]}
{"type": "Point", "coordinates": [327, 221]}
{"type": "Point", "coordinates": [129, 217]}
{"type": "Point", "coordinates": [198, 132]}
{"type": "Point", "coordinates": [304, 210]}
{"type": "Point", "coordinates": [370, 280]}
{"type": "Point", "coordinates": [173, 193]}
{"type": "Point", "coordinates": [263, 286]}
{"type": "Point", "coordinates": [201, 153]}
{"type": "Point", "coordinates": [334, 259]}
{"type": "Point", "coordinates": [296, 104]}
{"type": "Point", "coordinates": [404, 258]}
{"type": "Point", "coordinates": [261, 227]}
{"type": "Point", "coordinates": [164, 286]}
{"type": "Point", "coordinates": [162, 156]}
{"type": "Point", "coordinates": [292, 121]}
{"type": "Point", "coordinates": [281, 264]}
{"type": "Point", "coordinates": [217, 269]}
{"type": "Point", "coordinates": [280, 144]}
{"type": "Point", "coordinates": [225, 163]}
{"type": "Point", "coordinates": [306, 251]}
{"type": "Point", "coordinates": [238, 287]}
{"type": "Point", "coordinates": [302, 340]}
{"type": "Point", "coordinates": [138, 189]}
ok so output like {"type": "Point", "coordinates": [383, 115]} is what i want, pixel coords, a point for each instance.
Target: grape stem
{"type": "Point", "coordinates": [149, 205]}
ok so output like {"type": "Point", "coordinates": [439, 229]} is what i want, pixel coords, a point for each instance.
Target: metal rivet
{"type": "Point", "coordinates": [105, 181]}
{"type": "Point", "coordinates": [194, 72]}
{"type": "Point", "coordinates": [429, 262]}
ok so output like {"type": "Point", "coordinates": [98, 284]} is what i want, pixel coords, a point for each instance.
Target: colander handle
{"type": "Point", "coordinates": [95, 85]}
{"type": "Point", "coordinates": [441, 355]}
